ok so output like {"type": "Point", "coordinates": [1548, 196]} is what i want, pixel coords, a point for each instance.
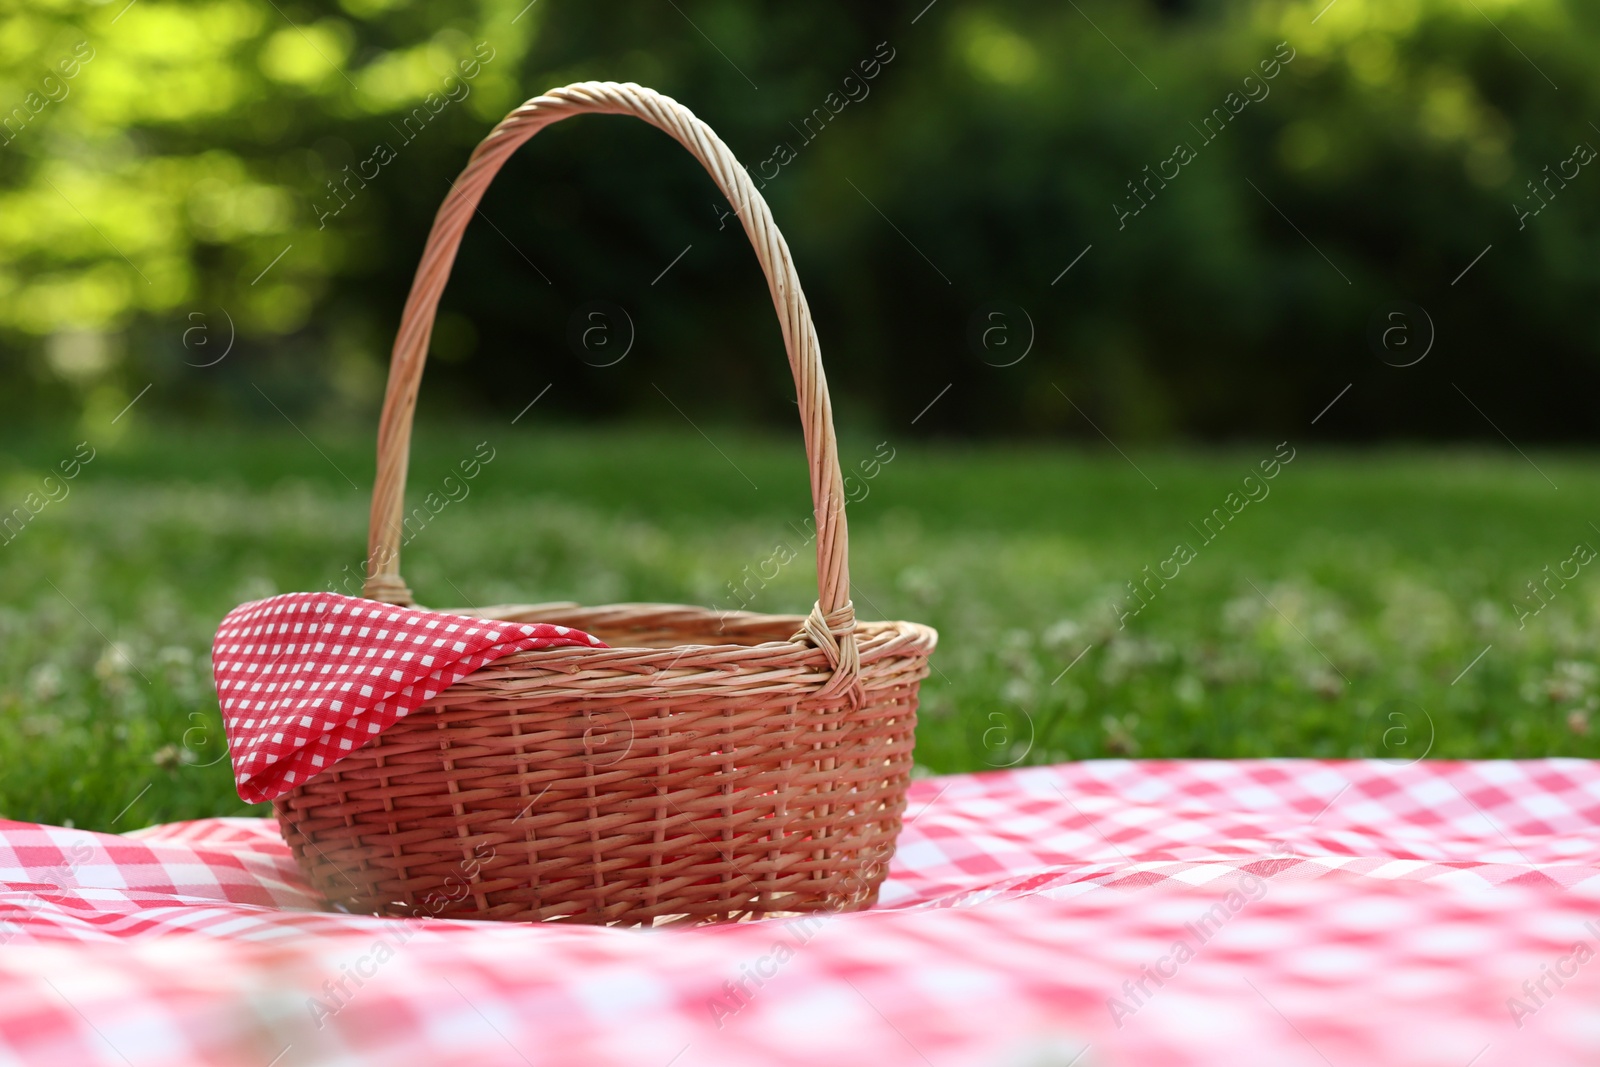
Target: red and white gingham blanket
{"type": "Point", "coordinates": [1282, 912]}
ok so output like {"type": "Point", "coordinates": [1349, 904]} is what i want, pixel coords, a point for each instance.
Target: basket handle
{"type": "Point", "coordinates": [831, 624]}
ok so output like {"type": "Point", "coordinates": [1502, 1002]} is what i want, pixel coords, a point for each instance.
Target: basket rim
{"type": "Point", "coordinates": [873, 635]}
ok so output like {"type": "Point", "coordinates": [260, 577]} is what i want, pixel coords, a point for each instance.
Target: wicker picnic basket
{"type": "Point", "coordinates": [707, 766]}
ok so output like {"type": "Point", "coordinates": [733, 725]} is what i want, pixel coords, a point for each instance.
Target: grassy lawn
{"type": "Point", "coordinates": [1342, 613]}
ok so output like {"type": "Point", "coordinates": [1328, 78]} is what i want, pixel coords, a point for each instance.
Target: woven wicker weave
{"type": "Point", "coordinates": [707, 766]}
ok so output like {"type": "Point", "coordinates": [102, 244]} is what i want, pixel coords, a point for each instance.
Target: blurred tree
{"type": "Point", "coordinates": [213, 168]}
{"type": "Point", "coordinates": [177, 175]}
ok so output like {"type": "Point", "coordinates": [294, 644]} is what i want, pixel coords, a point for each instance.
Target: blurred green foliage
{"type": "Point", "coordinates": [187, 187]}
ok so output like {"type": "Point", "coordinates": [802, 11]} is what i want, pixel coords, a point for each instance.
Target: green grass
{"type": "Point", "coordinates": [1386, 572]}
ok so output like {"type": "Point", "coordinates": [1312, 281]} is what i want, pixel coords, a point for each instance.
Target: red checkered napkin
{"type": "Point", "coordinates": [304, 679]}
